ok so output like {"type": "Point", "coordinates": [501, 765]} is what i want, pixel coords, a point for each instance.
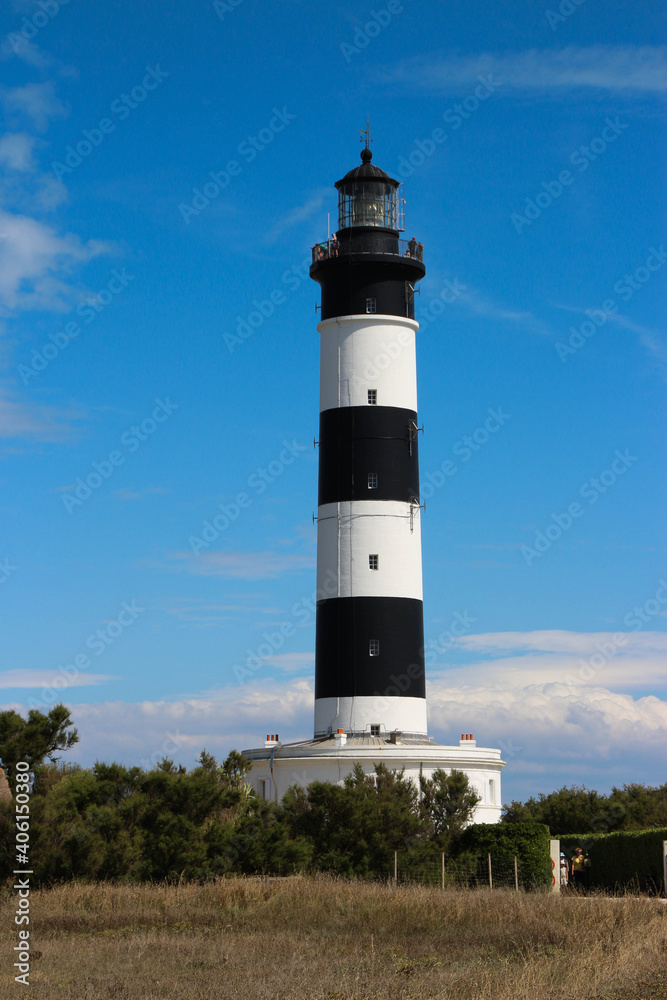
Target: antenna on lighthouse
{"type": "Point", "coordinates": [366, 134]}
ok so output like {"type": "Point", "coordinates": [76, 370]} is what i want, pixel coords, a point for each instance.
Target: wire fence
{"type": "Point", "coordinates": [466, 872]}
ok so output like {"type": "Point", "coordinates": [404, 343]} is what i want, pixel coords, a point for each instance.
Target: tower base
{"type": "Point", "coordinates": [276, 766]}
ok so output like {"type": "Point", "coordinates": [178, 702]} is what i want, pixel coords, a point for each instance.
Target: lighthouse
{"type": "Point", "coordinates": [369, 653]}
{"type": "Point", "coordinates": [370, 686]}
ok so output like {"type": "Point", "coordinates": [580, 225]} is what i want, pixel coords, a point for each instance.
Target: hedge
{"type": "Point", "coordinates": [528, 841]}
{"type": "Point", "coordinates": [622, 861]}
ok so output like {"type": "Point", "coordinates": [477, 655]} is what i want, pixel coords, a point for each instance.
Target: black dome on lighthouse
{"type": "Point", "coordinates": [367, 172]}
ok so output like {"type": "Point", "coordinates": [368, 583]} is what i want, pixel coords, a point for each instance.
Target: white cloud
{"type": "Point", "coordinates": [291, 662]}
{"type": "Point", "coordinates": [561, 641]}
{"type": "Point", "coordinates": [221, 720]}
{"type": "Point", "coordinates": [481, 306]}
{"type": "Point", "coordinates": [16, 151]}
{"type": "Point", "coordinates": [244, 565]}
{"type": "Point", "coordinates": [34, 259]}
{"type": "Point", "coordinates": [299, 214]}
{"type": "Point", "coordinates": [35, 101]}
{"type": "Point", "coordinates": [49, 679]}
{"type": "Point", "coordinates": [554, 725]}
{"type": "Point", "coordinates": [625, 69]}
{"type": "Point", "coordinates": [21, 419]}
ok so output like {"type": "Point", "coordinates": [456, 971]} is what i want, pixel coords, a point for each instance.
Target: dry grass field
{"type": "Point", "coordinates": [303, 938]}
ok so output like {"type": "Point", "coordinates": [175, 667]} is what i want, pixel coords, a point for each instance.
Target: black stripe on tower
{"type": "Point", "coordinates": [354, 279]}
{"type": "Point", "coordinates": [367, 265]}
{"type": "Point", "coordinates": [345, 668]}
{"type": "Point", "coordinates": [356, 441]}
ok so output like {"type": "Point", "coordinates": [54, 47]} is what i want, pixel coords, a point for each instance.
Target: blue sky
{"type": "Point", "coordinates": [164, 170]}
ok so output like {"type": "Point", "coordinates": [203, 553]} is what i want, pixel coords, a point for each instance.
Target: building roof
{"type": "Point", "coordinates": [367, 172]}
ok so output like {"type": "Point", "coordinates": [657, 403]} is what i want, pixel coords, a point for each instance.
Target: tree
{"type": "Point", "coordinates": [356, 827]}
{"type": "Point", "coordinates": [581, 810]}
{"type": "Point", "coordinates": [35, 738]}
{"type": "Point", "coordinates": [448, 803]}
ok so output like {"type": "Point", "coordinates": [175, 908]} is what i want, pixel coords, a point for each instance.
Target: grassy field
{"type": "Point", "coordinates": [302, 939]}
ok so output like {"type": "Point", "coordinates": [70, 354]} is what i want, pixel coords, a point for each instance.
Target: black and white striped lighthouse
{"type": "Point", "coordinates": [369, 659]}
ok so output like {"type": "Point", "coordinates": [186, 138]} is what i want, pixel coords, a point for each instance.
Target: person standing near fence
{"type": "Point", "coordinates": [579, 870]}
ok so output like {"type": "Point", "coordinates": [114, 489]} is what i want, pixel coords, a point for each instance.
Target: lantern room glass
{"type": "Point", "coordinates": [367, 203]}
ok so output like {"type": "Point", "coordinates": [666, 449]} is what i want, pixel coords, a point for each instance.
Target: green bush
{"type": "Point", "coordinates": [528, 841]}
{"type": "Point", "coordinates": [621, 861]}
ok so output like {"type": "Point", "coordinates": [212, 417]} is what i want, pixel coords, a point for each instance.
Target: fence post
{"type": "Point", "coordinates": [395, 866]}
{"type": "Point", "coordinates": [490, 874]}
{"type": "Point", "coordinates": [516, 875]}
{"type": "Point", "coordinates": [442, 868]}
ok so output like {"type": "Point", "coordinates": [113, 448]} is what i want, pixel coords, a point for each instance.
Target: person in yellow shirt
{"type": "Point", "coordinates": [579, 869]}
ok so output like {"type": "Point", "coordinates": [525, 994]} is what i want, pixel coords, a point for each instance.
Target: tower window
{"type": "Point", "coordinates": [371, 305]}
{"type": "Point", "coordinates": [261, 788]}
{"type": "Point", "coordinates": [373, 561]}
{"type": "Point", "coordinates": [374, 647]}
{"type": "Point", "coordinates": [373, 397]}
{"type": "Point", "coordinates": [372, 480]}
{"type": "Point", "coordinates": [375, 729]}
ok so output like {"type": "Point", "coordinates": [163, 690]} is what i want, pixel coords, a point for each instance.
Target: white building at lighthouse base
{"type": "Point", "coordinates": [277, 766]}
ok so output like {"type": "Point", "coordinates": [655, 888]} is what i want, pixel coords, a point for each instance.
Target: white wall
{"type": "Point", "coordinates": [365, 352]}
{"type": "Point", "coordinates": [348, 532]}
{"type": "Point", "coordinates": [334, 766]}
{"type": "Point", "coordinates": [358, 714]}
